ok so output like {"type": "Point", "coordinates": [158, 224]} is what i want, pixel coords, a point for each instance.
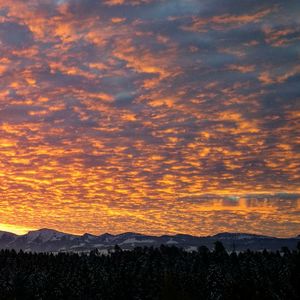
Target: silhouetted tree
{"type": "Point", "coordinates": [151, 274]}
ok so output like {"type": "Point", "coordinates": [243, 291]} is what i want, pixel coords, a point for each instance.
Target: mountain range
{"type": "Point", "coordinates": [49, 240]}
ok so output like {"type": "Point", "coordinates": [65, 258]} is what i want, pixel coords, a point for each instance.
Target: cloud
{"type": "Point", "coordinates": [144, 111]}
{"type": "Point", "coordinates": [14, 35]}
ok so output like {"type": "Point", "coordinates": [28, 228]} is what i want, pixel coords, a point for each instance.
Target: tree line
{"type": "Point", "coordinates": [151, 273]}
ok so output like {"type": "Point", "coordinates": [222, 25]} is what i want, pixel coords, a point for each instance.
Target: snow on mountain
{"type": "Point", "coordinates": [135, 241]}
{"type": "Point", "coordinates": [89, 237]}
{"type": "Point", "coordinates": [106, 237]}
{"type": "Point", "coordinates": [45, 235]}
{"type": "Point", "coordinates": [48, 240]}
{"type": "Point", "coordinates": [171, 242]}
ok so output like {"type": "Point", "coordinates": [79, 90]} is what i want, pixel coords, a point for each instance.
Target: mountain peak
{"type": "Point", "coordinates": [238, 235]}
{"type": "Point", "coordinates": [44, 234]}
{"type": "Point", "coordinates": [2, 233]}
{"type": "Point", "coordinates": [44, 230]}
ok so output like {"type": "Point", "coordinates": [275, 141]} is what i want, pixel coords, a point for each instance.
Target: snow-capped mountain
{"type": "Point", "coordinates": [45, 235]}
{"type": "Point", "coordinates": [48, 240]}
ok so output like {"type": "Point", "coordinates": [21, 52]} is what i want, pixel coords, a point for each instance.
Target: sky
{"type": "Point", "coordinates": [151, 116]}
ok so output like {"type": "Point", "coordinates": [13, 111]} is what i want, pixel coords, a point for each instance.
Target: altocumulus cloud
{"type": "Point", "coordinates": [150, 115]}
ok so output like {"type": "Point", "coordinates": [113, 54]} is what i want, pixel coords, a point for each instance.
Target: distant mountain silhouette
{"type": "Point", "coordinates": [49, 240]}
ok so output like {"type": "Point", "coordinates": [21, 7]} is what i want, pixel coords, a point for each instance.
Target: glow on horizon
{"type": "Point", "coordinates": [20, 230]}
{"type": "Point", "coordinates": [251, 214]}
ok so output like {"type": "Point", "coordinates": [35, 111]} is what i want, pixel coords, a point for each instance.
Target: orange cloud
{"type": "Point", "coordinates": [148, 116]}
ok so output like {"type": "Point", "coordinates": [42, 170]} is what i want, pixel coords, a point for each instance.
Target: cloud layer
{"type": "Point", "coordinates": [144, 115]}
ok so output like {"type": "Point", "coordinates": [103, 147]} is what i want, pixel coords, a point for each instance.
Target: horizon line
{"type": "Point", "coordinates": [153, 235]}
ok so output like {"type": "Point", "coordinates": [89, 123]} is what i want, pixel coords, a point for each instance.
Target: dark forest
{"type": "Point", "coordinates": [151, 273]}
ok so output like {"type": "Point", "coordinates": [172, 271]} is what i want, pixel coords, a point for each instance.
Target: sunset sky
{"type": "Point", "coordinates": [151, 116]}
